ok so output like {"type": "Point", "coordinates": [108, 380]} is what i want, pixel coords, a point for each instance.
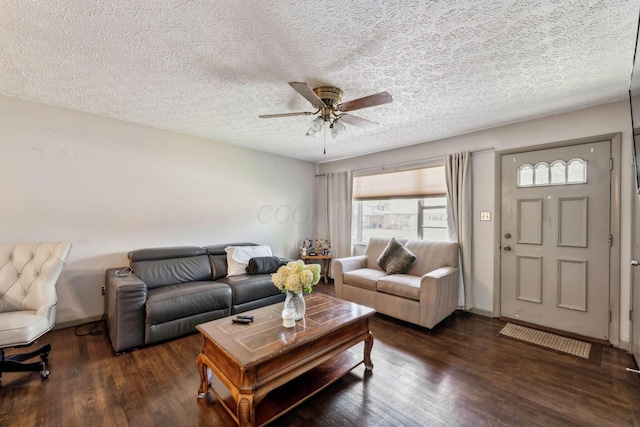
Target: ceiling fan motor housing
{"type": "Point", "coordinates": [330, 95]}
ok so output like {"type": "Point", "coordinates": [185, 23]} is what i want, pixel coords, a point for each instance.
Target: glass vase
{"type": "Point", "coordinates": [296, 302]}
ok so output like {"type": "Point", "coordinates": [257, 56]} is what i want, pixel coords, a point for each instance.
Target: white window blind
{"type": "Point", "coordinates": [415, 183]}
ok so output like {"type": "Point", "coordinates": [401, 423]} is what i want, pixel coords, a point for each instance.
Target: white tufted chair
{"type": "Point", "coordinates": [28, 276]}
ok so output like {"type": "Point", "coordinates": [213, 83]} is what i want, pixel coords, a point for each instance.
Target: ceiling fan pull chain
{"type": "Point", "coordinates": [324, 148]}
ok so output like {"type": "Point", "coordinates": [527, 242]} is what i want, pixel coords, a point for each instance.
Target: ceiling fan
{"type": "Point", "coordinates": [328, 101]}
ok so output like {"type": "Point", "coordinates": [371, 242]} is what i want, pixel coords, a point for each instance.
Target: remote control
{"type": "Point", "coordinates": [244, 316]}
{"type": "Point", "coordinates": [237, 320]}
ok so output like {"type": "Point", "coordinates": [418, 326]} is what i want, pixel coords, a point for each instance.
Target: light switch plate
{"type": "Point", "coordinates": [485, 216]}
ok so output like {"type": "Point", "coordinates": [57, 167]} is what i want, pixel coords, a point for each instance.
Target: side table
{"type": "Point", "coordinates": [326, 263]}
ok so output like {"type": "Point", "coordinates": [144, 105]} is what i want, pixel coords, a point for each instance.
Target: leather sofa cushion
{"type": "Point", "coordinates": [172, 302]}
{"type": "Point", "coordinates": [218, 266]}
{"type": "Point", "coordinates": [248, 287]}
{"type": "Point", "coordinates": [240, 308]}
{"type": "Point", "coordinates": [218, 257]}
{"type": "Point", "coordinates": [402, 285]}
{"type": "Point", "coordinates": [365, 278]}
{"type": "Point", "coordinates": [170, 271]}
{"type": "Point", "coordinates": [154, 254]}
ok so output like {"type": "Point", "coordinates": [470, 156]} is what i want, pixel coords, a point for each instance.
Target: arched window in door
{"type": "Point", "coordinates": [558, 172]}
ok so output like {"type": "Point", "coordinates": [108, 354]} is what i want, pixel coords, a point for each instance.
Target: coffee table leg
{"type": "Point", "coordinates": [246, 415]}
{"type": "Point", "coordinates": [204, 379]}
{"type": "Point", "coordinates": [368, 345]}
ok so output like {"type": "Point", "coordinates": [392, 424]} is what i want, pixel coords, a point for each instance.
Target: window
{"type": "Point", "coordinates": [408, 204]}
{"type": "Point", "coordinates": [434, 219]}
{"type": "Point", "coordinates": [558, 173]}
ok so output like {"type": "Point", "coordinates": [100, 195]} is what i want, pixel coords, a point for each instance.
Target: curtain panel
{"type": "Point", "coordinates": [338, 212]}
{"type": "Point", "coordinates": [459, 218]}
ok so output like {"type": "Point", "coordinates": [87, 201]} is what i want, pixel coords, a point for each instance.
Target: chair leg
{"type": "Point", "coordinates": [9, 366]}
{"type": "Point", "coordinates": [13, 363]}
{"type": "Point", "coordinates": [43, 352]}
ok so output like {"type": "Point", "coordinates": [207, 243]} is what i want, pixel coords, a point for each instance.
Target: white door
{"type": "Point", "coordinates": [635, 298]}
{"type": "Point", "coordinates": [555, 238]}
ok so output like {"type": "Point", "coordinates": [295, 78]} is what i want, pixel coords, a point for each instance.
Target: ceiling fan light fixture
{"type": "Point", "coordinates": [336, 128]}
{"type": "Point", "coordinates": [316, 124]}
{"type": "Point", "coordinates": [312, 133]}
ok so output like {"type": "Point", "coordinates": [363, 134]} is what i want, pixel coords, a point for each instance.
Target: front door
{"type": "Point", "coordinates": [635, 295]}
{"type": "Point", "coordinates": [555, 238]}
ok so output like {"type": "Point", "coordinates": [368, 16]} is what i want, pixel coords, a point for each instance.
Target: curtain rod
{"type": "Point", "coordinates": [481, 150]}
{"type": "Point", "coordinates": [396, 165]}
{"type": "Point", "coordinates": [399, 165]}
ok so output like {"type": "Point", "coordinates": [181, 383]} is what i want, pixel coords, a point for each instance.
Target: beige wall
{"type": "Point", "coordinates": [605, 119]}
{"type": "Point", "coordinates": [110, 187]}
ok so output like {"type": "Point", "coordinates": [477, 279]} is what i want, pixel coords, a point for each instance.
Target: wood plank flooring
{"type": "Point", "coordinates": [460, 374]}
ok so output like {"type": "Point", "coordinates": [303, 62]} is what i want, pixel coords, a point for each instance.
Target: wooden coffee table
{"type": "Point", "coordinates": [261, 370]}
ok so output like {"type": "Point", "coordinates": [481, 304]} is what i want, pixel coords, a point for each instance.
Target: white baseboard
{"type": "Point", "coordinates": [77, 322]}
{"type": "Point", "coordinates": [481, 312]}
{"type": "Point", "coordinates": [625, 345]}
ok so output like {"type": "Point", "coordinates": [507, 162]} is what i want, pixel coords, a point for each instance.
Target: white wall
{"type": "Point", "coordinates": [110, 187]}
{"type": "Point", "coordinates": [605, 119]}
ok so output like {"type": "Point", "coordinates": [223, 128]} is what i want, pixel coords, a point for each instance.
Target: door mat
{"type": "Point", "coordinates": [557, 343]}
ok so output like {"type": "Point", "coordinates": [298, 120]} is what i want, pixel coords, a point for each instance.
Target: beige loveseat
{"type": "Point", "coordinates": [424, 295]}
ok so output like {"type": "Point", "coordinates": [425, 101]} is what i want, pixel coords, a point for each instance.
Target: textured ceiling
{"type": "Point", "coordinates": [209, 68]}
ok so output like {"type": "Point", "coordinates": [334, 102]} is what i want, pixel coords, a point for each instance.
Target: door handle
{"type": "Point", "coordinates": [507, 248]}
{"type": "Point", "coordinates": [635, 262]}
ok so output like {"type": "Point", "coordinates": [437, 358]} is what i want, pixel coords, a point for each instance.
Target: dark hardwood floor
{"type": "Point", "coordinates": [460, 374]}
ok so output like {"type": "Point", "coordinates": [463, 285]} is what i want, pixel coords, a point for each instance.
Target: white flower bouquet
{"type": "Point", "coordinates": [296, 276]}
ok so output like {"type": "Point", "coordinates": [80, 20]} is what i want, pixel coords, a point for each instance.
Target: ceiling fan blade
{"type": "Point", "coordinates": [365, 102]}
{"type": "Point", "coordinates": [357, 121]}
{"type": "Point", "coordinates": [308, 94]}
{"type": "Point", "coordinates": [271, 116]}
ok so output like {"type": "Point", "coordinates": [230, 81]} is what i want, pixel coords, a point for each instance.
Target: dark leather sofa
{"type": "Point", "coordinates": [166, 292]}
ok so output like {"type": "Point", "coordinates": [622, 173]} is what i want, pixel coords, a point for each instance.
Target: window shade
{"type": "Point", "coordinates": [415, 183]}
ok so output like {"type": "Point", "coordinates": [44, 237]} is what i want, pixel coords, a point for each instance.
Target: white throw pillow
{"type": "Point", "coordinates": [238, 257]}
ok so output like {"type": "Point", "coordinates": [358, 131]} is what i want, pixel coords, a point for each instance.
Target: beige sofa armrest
{"type": "Point", "coordinates": [344, 265]}
{"type": "Point", "coordinates": [438, 295]}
